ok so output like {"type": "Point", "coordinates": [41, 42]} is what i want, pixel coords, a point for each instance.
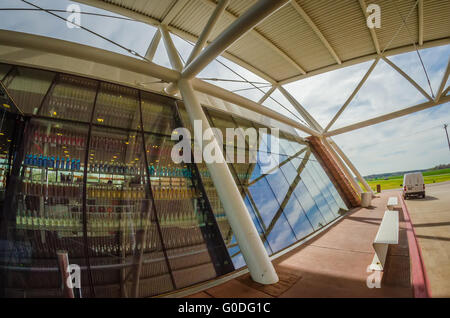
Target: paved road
{"type": "Point", "coordinates": [431, 219]}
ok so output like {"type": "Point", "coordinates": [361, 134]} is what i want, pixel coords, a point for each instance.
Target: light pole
{"type": "Point", "coordinates": [446, 132]}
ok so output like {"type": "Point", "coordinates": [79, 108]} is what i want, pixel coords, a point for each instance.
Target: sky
{"type": "Point", "coordinates": [416, 141]}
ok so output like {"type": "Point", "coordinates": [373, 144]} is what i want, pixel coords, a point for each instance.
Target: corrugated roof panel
{"type": "Point", "coordinates": [157, 9]}
{"type": "Point", "coordinates": [343, 24]}
{"type": "Point", "coordinates": [237, 7]}
{"type": "Point", "coordinates": [193, 17]}
{"type": "Point", "coordinates": [392, 15]}
{"type": "Point", "coordinates": [261, 56]}
{"type": "Point", "coordinates": [295, 37]}
{"type": "Point", "coordinates": [436, 16]}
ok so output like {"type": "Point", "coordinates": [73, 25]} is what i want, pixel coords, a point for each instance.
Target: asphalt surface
{"type": "Point", "coordinates": [431, 220]}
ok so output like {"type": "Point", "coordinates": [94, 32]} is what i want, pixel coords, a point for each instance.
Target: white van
{"type": "Point", "coordinates": [413, 185]}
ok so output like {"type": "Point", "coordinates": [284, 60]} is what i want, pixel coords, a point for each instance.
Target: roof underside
{"type": "Point", "coordinates": [304, 36]}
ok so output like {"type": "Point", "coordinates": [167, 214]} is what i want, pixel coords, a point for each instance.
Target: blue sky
{"type": "Point", "coordinates": [412, 142]}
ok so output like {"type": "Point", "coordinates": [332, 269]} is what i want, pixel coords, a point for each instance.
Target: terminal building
{"type": "Point", "coordinates": [87, 175]}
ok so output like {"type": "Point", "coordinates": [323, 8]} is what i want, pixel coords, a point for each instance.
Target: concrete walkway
{"type": "Point", "coordinates": [333, 264]}
{"type": "Point", "coordinates": [431, 220]}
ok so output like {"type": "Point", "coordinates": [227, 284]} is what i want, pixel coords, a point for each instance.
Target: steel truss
{"type": "Point", "coordinates": [182, 77]}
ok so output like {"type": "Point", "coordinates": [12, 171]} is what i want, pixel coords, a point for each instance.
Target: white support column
{"type": "Point", "coordinates": [246, 22]}
{"type": "Point", "coordinates": [347, 172]}
{"type": "Point", "coordinates": [150, 54]}
{"type": "Point", "coordinates": [350, 98]}
{"type": "Point", "coordinates": [303, 112]}
{"type": "Point", "coordinates": [267, 95]}
{"type": "Point", "coordinates": [350, 165]}
{"type": "Point", "coordinates": [206, 33]}
{"type": "Point", "coordinates": [252, 248]}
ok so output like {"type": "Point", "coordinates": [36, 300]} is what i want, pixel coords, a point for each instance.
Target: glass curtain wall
{"type": "Point", "coordinates": [96, 180]}
{"type": "Point", "coordinates": [289, 201]}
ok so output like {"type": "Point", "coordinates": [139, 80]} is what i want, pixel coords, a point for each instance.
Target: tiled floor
{"type": "Point", "coordinates": [333, 264]}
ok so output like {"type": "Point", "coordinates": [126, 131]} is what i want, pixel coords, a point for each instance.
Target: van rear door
{"type": "Point", "coordinates": [415, 184]}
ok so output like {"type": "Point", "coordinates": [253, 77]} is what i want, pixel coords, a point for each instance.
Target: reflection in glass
{"type": "Point", "coordinates": [117, 106]}
{"type": "Point", "coordinates": [70, 98]}
{"type": "Point", "coordinates": [28, 87]}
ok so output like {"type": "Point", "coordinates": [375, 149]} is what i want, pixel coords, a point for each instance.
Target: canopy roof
{"type": "Point", "coordinates": [304, 37]}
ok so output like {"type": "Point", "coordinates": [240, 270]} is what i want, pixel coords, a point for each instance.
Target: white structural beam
{"type": "Point", "coordinates": [150, 54]}
{"type": "Point", "coordinates": [420, 12]}
{"type": "Point", "coordinates": [267, 95]}
{"type": "Point", "coordinates": [84, 52]}
{"type": "Point", "coordinates": [316, 30]}
{"type": "Point", "coordinates": [203, 38]}
{"type": "Point", "coordinates": [174, 11]}
{"type": "Point", "coordinates": [409, 79]}
{"type": "Point", "coordinates": [207, 30]}
{"type": "Point", "coordinates": [350, 165]}
{"type": "Point", "coordinates": [225, 54]}
{"type": "Point", "coordinates": [302, 111]}
{"type": "Point", "coordinates": [221, 93]}
{"type": "Point", "coordinates": [174, 59]}
{"type": "Point", "coordinates": [440, 91]}
{"type": "Point", "coordinates": [62, 56]}
{"type": "Point", "coordinates": [386, 117]}
{"type": "Point", "coordinates": [251, 246]}
{"type": "Point", "coordinates": [376, 44]}
{"type": "Point", "coordinates": [350, 98]}
{"type": "Point", "coordinates": [246, 22]}
{"type": "Point", "coordinates": [265, 40]}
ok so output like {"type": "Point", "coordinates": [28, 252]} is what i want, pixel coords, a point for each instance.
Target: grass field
{"type": "Point", "coordinates": [395, 182]}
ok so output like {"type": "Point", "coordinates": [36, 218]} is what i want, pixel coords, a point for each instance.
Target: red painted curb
{"type": "Point", "coordinates": [421, 286]}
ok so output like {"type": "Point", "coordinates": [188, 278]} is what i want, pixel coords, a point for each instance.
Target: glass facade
{"type": "Point", "coordinates": [291, 200]}
{"type": "Point", "coordinates": [90, 174]}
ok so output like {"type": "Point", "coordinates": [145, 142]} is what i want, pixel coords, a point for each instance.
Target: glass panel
{"type": "Point", "coordinates": [279, 184]}
{"type": "Point", "coordinates": [187, 230]}
{"type": "Point", "coordinates": [10, 128]}
{"type": "Point", "coordinates": [28, 87]}
{"type": "Point", "coordinates": [312, 211]}
{"type": "Point", "coordinates": [219, 214]}
{"type": "Point", "coordinates": [48, 208]}
{"type": "Point", "coordinates": [297, 218]}
{"type": "Point", "coordinates": [317, 195]}
{"type": "Point", "coordinates": [117, 106]}
{"type": "Point", "coordinates": [121, 215]}
{"type": "Point", "coordinates": [4, 68]}
{"type": "Point", "coordinates": [70, 98]}
{"type": "Point", "coordinates": [280, 235]}
{"type": "Point", "coordinates": [323, 187]}
{"type": "Point", "coordinates": [158, 114]}
{"type": "Point", "coordinates": [330, 186]}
